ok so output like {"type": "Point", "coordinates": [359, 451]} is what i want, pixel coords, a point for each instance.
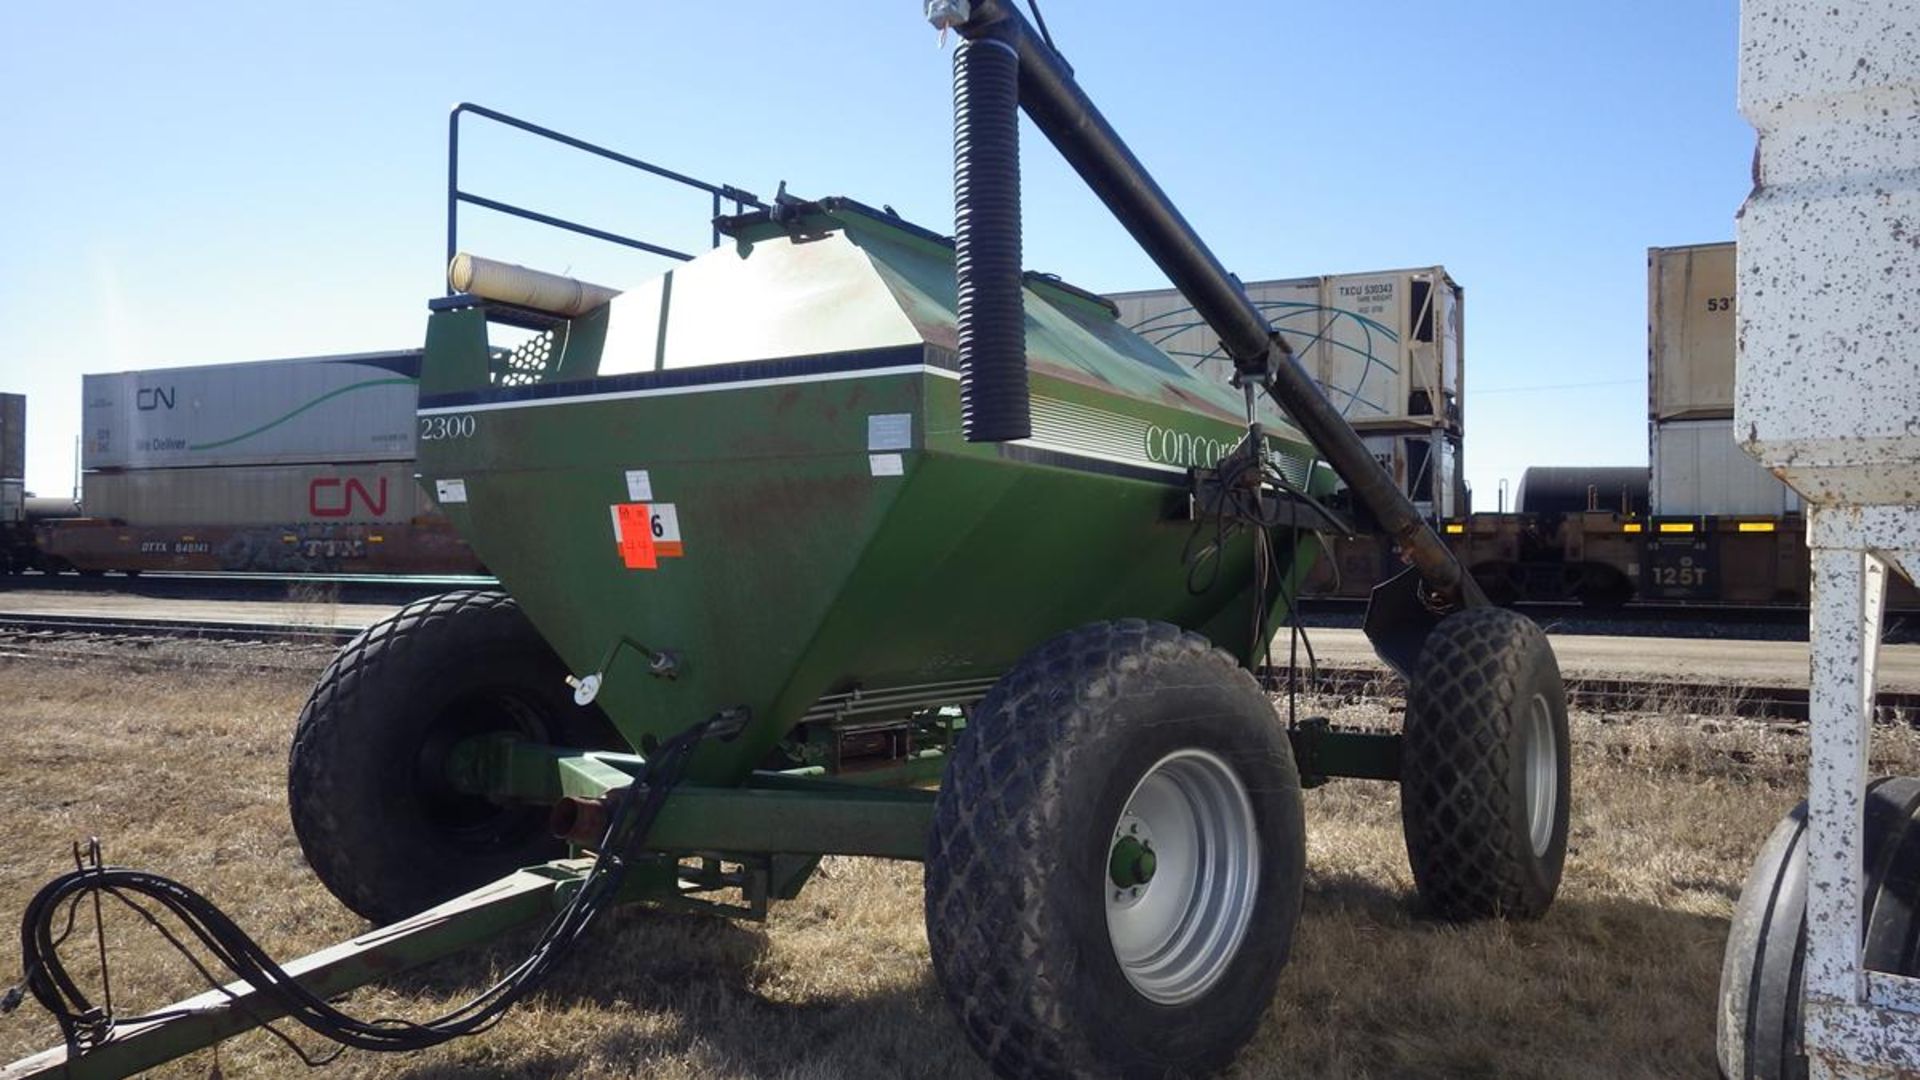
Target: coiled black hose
{"type": "Point", "coordinates": [986, 234]}
{"type": "Point", "coordinates": [85, 1024]}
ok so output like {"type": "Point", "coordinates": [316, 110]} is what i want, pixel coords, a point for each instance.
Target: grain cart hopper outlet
{"type": "Point", "coordinates": [841, 508]}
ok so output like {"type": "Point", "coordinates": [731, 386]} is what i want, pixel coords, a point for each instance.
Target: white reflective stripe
{"type": "Point", "coordinates": [698, 388]}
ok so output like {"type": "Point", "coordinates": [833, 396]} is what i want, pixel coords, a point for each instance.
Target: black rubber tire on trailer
{"type": "Point", "coordinates": [366, 781]}
{"type": "Point", "coordinates": [1485, 773]}
{"type": "Point", "coordinates": [1108, 727]}
{"type": "Point", "coordinates": [1759, 1032]}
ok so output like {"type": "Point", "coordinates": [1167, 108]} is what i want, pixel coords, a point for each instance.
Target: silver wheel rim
{"type": "Point", "coordinates": [1175, 934]}
{"type": "Point", "coordinates": [1543, 775]}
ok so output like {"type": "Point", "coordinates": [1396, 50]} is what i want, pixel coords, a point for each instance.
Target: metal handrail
{"type": "Point", "coordinates": [740, 199]}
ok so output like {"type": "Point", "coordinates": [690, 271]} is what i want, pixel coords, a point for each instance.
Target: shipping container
{"type": "Point", "coordinates": [1690, 332]}
{"type": "Point", "coordinates": [315, 409]}
{"type": "Point", "coordinates": [1698, 469]}
{"type": "Point", "coordinates": [1386, 347]}
{"type": "Point", "coordinates": [13, 436]}
{"type": "Point", "coordinates": [1431, 479]}
{"type": "Point", "coordinates": [372, 493]}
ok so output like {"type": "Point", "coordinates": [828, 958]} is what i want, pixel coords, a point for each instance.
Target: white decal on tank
{"type": "Point", "coordinates": [890, 431]}
{"type": "Point", "coordinates": [639, 486]}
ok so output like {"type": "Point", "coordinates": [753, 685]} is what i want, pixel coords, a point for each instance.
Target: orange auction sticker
{"type": "Point", "coordinates": [634, 526]}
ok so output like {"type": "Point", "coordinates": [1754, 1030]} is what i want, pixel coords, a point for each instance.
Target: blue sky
{"type": "Point", "coordinates": [195, 183]}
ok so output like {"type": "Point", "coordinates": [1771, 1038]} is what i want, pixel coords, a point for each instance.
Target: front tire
{"type": "Point", "coordinates": [1486, 768]}
{"type": "Point", "coordinates": [1115, 868]}
{"type": "Point", "coordinates": [366, 780]}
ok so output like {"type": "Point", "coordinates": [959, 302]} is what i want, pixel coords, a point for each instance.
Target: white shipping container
{"type": "Point", "coordinates": [1698, 469]}
{"type": "Point", "coordinates": [323, 408]}
{"type": "Point", "coordinates": [1387, 347]}
{"type": "Point", "coordinates": [1430, 479]}
{"type": "Point", "coordinates": [1690, 332]}
{"type": "Point", "coordinates": [344, 494]}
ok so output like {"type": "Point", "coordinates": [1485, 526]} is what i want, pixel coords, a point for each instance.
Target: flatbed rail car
{"type": "Point", "coordinates": [1606, 559]}
{"type": "Point", "coordinates": [425, 543]}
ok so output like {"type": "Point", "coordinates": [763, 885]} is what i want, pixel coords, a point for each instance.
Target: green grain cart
{"type": "Point", "coordinates": [843, 508]}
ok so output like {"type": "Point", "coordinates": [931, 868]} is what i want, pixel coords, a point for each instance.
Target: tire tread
{"type": "Point", "coordinates": [987, 870]}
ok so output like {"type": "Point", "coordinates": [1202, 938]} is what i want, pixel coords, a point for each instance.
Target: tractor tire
{"type": "Point", "coordinates": [1062, 949]}
{"type": "Point", "coordinates": [1760, 1033]}
{"type": "Point", "coordinates": [1485, 770]}
{"type": "Point", "coordinates": [366, 783]}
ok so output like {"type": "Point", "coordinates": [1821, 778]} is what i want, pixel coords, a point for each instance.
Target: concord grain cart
{"type": "Point", "coordinates": [841, 507]}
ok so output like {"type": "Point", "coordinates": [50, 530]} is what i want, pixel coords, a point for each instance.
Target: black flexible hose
{"type": "Point", "coordinates": [84, 1024]}
{"type": "Point", "coordinates": [991, 327]}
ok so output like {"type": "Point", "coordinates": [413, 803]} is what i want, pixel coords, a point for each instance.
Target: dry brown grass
{"type": "Point", "coordinates": [182, 769]}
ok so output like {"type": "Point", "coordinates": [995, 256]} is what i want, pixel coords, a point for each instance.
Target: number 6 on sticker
{"type": "Point", "coordinates": [666, 531]}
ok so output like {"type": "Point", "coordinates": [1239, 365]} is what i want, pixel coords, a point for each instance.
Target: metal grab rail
{"type": "Point", "coordinates": [455, 196]}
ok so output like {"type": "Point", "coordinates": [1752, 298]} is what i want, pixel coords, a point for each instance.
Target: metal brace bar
{"type": "Point", "coordinates": [1853, 1017]}
{"type": "Point", "coordinates": [789, 815]}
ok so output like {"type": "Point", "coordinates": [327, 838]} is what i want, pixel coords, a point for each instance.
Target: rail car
{"type": "Point", "coordinates": [274, 466]}
{"type": "Point", "coordinates": [1606, 558]}
{"type": "Point", "coordinates": [426, 544]}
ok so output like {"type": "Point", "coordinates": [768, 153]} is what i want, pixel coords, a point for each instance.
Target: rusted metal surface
{"type": "Point", "coordinates": [579, 821]}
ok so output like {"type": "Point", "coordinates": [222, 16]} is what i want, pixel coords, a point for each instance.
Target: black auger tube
{"type": "Point", "coordinates": [1075, 127]}
{"type": "Point", "coordinates": [992, 323]}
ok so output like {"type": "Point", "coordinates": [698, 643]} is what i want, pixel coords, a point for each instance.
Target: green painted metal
{"type": "Point", "coordinates": [508, 767]}
{"type": "Point", "coordinates": [890, 824]}
{"type": "Point", "coordinates": [1131, 863]}
{"type": "Point", "coordinates": [770, 813]}
{"type": "Point", "coordinates": [1322, 754]}
{"type": "Point", "coordinates": [808, 567]}
{"type": "Point", "coordinates": [921, 767]}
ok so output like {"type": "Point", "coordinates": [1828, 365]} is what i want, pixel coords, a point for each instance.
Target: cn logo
{"type": "Point", "coordinates": [153, 397]}
{"type": "Point", "coordinates": [334, 497]}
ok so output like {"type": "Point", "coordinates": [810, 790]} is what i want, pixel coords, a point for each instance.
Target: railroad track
{"type": "Point", "coordinates": [1760, 622]}
{"type": "Point", "coordinates": [223, 646]}
{"type": "Point", "coordinates": [81, 626]}
{"type": "Point", "coordinates": [92, 637]}
{"type": "Point", "coordinates": [1602, 694]}
{"type": "Point", "coordinates": [1641, 618]}
{"type": "Point", "coordinates": [359, 588]}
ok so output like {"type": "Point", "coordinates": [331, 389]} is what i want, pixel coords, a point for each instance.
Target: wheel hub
{"type": "Point", "coordinates": [1132, 862]}
{"type": "Point", "coordinates": [1182, 876]}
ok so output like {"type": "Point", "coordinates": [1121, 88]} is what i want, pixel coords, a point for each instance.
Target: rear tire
{"type": "Point", "coordinates": [366, 780]}
{"type": "Point", "coordinates": [1114, 734]}
{"type": "Point", "coordinates": [1485, 771]}
{"type": "Point", "coordinates": [1760, 1029]}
